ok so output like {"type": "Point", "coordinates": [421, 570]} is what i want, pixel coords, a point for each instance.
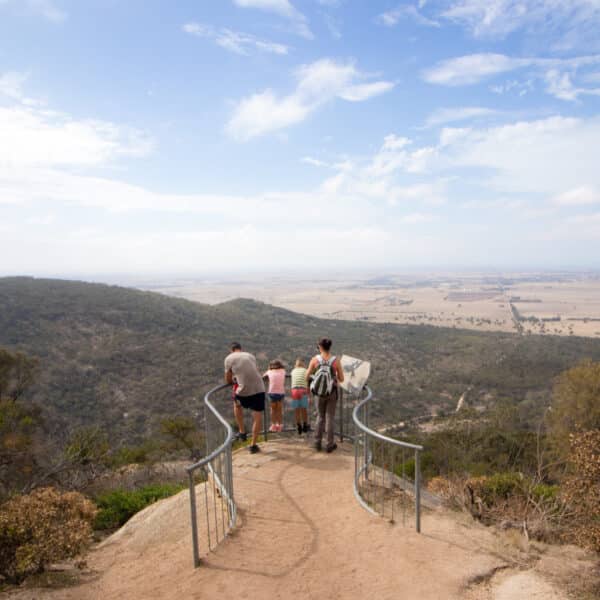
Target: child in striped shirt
{"type": "Point", "coordinates": [300, 396]}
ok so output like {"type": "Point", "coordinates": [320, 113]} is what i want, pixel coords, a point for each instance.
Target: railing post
{"type": "Point", "coordinates": [366, 444]}
{"type": "Point", "coordinates": [341, 412]}
{"type": "Point", "coordinates": [194, 519]}
{"type": "Point", "coordinates": [417, 492]}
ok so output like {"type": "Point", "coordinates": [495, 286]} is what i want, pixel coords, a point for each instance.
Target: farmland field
{"type": "Point", "coordinates": [547, 303]}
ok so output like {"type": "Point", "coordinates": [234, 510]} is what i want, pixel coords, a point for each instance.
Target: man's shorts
{"type": "Point", "coordinates": [276, 397]}
{"type": "Point", "coordinates": [299, 398]}
{"type": "Point", "coordinates": [255, 402]}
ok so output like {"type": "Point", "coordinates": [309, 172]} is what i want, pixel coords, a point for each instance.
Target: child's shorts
{"type": "Point", "coordinates": [276, 397]}
{"type": "Point", "coordinates": [299, 398]}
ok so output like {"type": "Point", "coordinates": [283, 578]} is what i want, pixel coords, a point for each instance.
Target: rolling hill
{"type": "Point", "coordinates": [123, 359]}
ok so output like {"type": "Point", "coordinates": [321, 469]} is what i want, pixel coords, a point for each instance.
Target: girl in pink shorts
{"type": "Point", "coordinates": [300, 396]}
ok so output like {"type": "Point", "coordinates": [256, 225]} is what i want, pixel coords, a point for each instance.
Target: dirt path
{"type": "Point", "coordinates": [301, 533]}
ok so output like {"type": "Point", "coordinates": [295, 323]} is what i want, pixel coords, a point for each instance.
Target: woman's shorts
{"type": "Point", "coordinates": [276, 397]}
{"type": "Point", "coordinates": [299, 398]}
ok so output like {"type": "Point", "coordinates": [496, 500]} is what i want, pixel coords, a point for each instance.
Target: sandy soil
{"type": "Point", "coordinates": [302, 534]}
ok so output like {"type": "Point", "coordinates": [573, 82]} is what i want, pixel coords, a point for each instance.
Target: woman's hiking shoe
{"type": "Point", "coordinates": [254, 449]}
{"type": "Point", "coordinates": [330, 448]}
{"type": "Point", "coordinates": [242, 437]}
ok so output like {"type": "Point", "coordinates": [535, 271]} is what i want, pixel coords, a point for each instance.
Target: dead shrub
{"type": "Point", "coordinates": [581, 490]}
{"type": "Point", "coordinates": [42, 527]}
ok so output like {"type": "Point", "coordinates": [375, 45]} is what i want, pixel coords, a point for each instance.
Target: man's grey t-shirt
{"type": "Point", "coordinates": [244, 369]}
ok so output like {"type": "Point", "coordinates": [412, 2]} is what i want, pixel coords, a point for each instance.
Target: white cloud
{"type": "Point", "coordinates": [44, 138]}
{"type": "Point", "coordinates": [575, 20]}
{"type": "Point", "coordinates": [315, 162]}
{"type": "Point", "coordinates": [234, 41]}
{"type": "Point", "coordinates": [45, 8]}
{"type": "Point", "coordinates": [521, 88]}
{"type": "Point", "coordinates": [463, 113]}
{"type": "Point", "coordinates": [283, 8]}
{"type": "Point", "coordinates": [473, 68]}
{"type": "Point", "coordinates": [392, 17]}
{"type": "Point", "coordinates": [414, 218]}
{"type": "Point", "coordinates": [540, 157]}
{"type": "Point", "coordinates": [11, 84]}
{"type": "Point", "coordinates": [364, 91]}
{"type": "Point", "coordinates": [317, 84]}
{"type": "Point", "coordinates": [469, 69]}
{"type": "Point", "coordinates": [560, 85]}
{"type": "Point", "coordinates": [579, 196]}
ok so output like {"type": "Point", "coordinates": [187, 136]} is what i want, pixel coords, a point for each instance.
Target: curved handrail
{"type": "Point", "coordinates": [223, 484]}
{"type": "Point", "coordinates": [373, 433]}
{"type": "Point", "coordinates": [362, 464]}
{"type": "Point", "coordinates": [227, 426]}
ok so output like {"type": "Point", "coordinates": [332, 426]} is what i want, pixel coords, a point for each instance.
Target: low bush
{"type": "Point", "coordinates": [118, 506]}
{"type": "Point", "coordinates": [497, 487]}
{"type": "Point", "coordinates": [42, 527]}
{"type": "Point", "coordinates": [582, 490]}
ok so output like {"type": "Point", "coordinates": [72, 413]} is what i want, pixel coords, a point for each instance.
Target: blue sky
{"type": "Point", "coordinates": [146, 137]}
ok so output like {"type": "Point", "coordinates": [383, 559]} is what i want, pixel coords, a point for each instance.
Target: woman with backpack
{"type": "Point", "coordinates": [328, 373]}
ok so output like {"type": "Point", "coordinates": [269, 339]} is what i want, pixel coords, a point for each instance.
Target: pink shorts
{"type": "Point", "coordinates": [299, 393]}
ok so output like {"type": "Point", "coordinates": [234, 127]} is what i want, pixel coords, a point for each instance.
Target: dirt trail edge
{"type": "Point", "coordinates": [302, 533]}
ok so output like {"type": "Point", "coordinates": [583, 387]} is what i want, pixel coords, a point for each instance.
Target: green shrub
{"type": "Point", "coordinates": [129, 455]}
{"type": "Point", "coordinates": [496, 488]}
{"type": "Point", "coordinates": [41, 527]}
{"type": "Point", "coordinates": [544, 491]}
{"type": "Point", "coordinates": [407, 468]}
{"type": "Point", "coordinates": [118, 506]}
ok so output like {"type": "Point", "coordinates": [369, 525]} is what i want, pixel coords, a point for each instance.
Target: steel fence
{"type": "Point", "coordinates": [216, 470]}
{"type": "Point", "coordinates": [386, 479]}
{"type": "Point", "coordinates": [386, 471]}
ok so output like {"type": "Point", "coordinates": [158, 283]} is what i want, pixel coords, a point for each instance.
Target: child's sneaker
{"type": "Point", "coordinates": [254, 449]}
{"type": "Point", "coordinates": [273, 428]}
{"type": "Point", "coordinates": [280, 427]}
{"type": "Point", "coordinates": [242, 437]}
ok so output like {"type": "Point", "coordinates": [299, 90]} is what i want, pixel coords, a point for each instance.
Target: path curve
{"type": "Point", "coordinates": [301, 533]}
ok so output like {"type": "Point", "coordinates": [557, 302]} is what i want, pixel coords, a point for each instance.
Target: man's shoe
{"type": "Point", "coordinates": [254, 449]}
{"type": "Point", "coordinates": [318, 446]}
{"type": "Point", "coordinates": [330, 448]}
{"type": "Point", "coordinates": [242, 437]}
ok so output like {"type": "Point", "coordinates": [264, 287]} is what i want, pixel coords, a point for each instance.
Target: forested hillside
{"type": "Point", "coordinates": [123, 359]}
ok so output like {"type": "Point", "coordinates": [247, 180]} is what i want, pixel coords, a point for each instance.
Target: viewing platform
{"type": "Point", "coordinates": [291, 522]}
{"type": "Point", "coordinates": [300, 533]}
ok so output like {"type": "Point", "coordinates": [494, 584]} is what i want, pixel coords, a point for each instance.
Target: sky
{"type": "Point", "coordinates": [192, 137]}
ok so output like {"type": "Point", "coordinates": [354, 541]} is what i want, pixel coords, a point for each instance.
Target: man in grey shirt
{"type": "Point", "coordinates": [249, 388]}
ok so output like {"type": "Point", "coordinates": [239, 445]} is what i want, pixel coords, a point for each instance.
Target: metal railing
{"type": "Point", "coordinates": [386, 474]}
{"type": "Point", "coordinates": [216, 469]}
{"type": "Point", "coordinates": [381, 467]}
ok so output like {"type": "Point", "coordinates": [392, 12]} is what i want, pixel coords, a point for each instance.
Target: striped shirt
{"type": "Point", "coordinates": [299, 377]}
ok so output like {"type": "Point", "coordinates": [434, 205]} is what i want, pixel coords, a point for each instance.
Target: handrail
{"type": "Point", "coordinates": [376, 434]}
{"type": "Point", "coordinates": [364, 463]}
{"type": "Point", "coordinates": [219, 464]}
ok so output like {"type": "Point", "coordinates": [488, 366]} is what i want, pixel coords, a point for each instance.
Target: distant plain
{"type": "Point", "coordinates": [561, 303]}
